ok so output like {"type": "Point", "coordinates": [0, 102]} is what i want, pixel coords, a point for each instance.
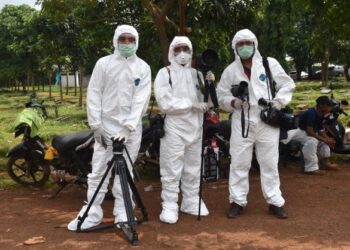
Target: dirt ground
{"type": "Point", "coordinates": [318, 208]}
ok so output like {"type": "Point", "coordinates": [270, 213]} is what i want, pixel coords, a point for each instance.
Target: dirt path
{"type": "Point", "coordinates": [318, 207]}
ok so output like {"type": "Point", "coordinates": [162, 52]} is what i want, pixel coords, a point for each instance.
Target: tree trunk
{"type": "Point", "coordinates": [164, 41]}
{"type": "Point", "coordinates": [61, 90]}
{"type": "Point", "coordinates": [75, 81]}
{"type": "Point", "coordinates": [346, 72]}
{"type": "Point", "coordinates": [325, 71]}
{"type": "Point", "coordinates": [49, 82]}
{"type": "Point", "coordinates": [182, 22]}
{"type": "Point", "coordinates": [67, 76]}
{"type": "Point", "coordinates": [80, 86]}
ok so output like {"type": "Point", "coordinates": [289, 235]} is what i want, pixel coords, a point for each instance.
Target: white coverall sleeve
{"type": "Point", "coordinates": [139, 101]}
{"type": "Point", "coordinates": [168, 103]}
{"type": "Point", "coordinates": [94, 96]}
{"type": "Point", "coordinates": [284, 84]}
{"type": "Point", "coordinates": [224, 92]}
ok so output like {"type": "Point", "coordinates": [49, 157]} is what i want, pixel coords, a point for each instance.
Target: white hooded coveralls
{"type": "Point", "coordinates": [117, 97]}
{"type": "Point", "coordinates": [180, 148]}
{"type": "Point", "coordinates": [263, 137]}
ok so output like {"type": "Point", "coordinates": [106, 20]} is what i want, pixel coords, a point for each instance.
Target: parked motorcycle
{"type": "Point", "coordinates": [335, 129]}
{"type": "Point", "coordinates": [31, 162]}
{"type": "Point", "coordinates": [215, 142]}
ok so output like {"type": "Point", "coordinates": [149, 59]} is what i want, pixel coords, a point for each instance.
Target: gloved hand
{"type": "Point", "coordinates": [200, 106]}
{"type": "Point", "coordinates": [100, 136]}
{"type": "Point", "coordinates": [237, 103]}
{"type": "Point", "coordinates": [123, 135]}
{"type": "Point", "coordinates": [210, 76]}
{"type": "Point", "coordinates": [276, 104]}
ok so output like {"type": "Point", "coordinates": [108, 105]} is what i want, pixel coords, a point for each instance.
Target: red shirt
{"type": "Point", "coordinates": [247, 72]}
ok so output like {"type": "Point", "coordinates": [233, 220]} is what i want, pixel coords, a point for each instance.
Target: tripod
{"type": "Point", "coordinates": [119, 164]}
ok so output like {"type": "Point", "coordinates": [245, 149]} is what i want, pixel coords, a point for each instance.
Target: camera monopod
{"type": "Point", "coordinates": [206, 63]}
{"type": "Point", "coordinates": [118, 163]}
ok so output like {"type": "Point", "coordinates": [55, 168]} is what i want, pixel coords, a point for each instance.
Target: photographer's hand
{"type": "Point", "coordinates": [200, 106]}
{"type": "Point", "coordinates": [210, 77]}
{"type": "Point", "coordinates": [123, 135]}
{"type": "Point", "coordinates": [237, 103]}
{"type": "Point", "coordinates": [100, 136]}
{"type": "Point", "coordinates": [276, 104]}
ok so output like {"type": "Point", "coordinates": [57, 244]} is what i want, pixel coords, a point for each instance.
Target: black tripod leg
{"type": "Point", "coordinates": [201, 184]}
{"type": "Point", "coordinates": [137, 196]}
{"type": "Point", "coordinates": [121, 170]}
{"type": "Point", "coordinates": [82, 218]}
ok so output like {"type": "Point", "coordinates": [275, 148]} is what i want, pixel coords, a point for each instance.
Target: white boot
{"type": "Point", "coordinates": [93, 219]}
{"type": "Point", "coordinates": [169, 216]}
{"type": "Point", "coordinates": [190, 206]}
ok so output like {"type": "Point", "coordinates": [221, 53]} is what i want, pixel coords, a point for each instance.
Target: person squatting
{"type": "Point", "coordinates": [118, 96]}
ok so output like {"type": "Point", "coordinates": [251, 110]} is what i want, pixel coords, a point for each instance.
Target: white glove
{"type": "Point", "coordinates": [200, 106]}
{"type": "Point", "coordinates": [100, 136]}
{"type": "Point", "coordinates": [237, 103]}
{"type": "Point", "coordinates": [276, 104]}
{"type": "Point", "coordinates": [210, 76]}
{"type": "Point", "coordinates": [123, 135]}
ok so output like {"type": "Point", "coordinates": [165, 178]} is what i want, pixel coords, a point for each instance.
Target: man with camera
{"type": "Point", "coordinates": [316, 143]}
{"type": "Point", "coordinates": [117, 96]}
{"type": "Point", "coordinates": [248, 130]}
{"type": "Point", "coordinates": [178, 92]}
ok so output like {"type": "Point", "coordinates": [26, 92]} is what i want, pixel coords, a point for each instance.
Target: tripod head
{"type": "Point", "coordinates": [118, 146]}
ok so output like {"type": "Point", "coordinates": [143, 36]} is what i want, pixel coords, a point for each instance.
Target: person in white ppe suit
{"type": "Point", "coordinates": [117, 97]}
{"type": "Point", "coordinates": [177, 91]}
{"type": "Point", "coordinates": [248, 67]}
{"type": "Point", "coordinates": [316, 144]}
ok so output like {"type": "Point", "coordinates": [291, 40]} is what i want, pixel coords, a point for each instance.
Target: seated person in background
{"type": "Point", "coordinates": [316, 144]}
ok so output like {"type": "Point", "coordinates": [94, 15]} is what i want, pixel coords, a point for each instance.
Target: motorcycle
{"type": "Point", "coordinates": [335, 129]}
{"type": "Point", "coordinates": [31, 162]}
{"type": "Point", "coordinates": [215, 143]}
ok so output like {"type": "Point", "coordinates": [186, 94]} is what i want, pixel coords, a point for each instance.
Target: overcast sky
{"type": "Point", "coordinates": [31, 3]}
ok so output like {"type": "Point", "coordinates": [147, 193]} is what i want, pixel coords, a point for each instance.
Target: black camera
{"type": "Point", "coordinates": [157, 125]}
{"type": "Point", "coordinates": [241, 91]}
{"type": "Point", "coordinates": [204, 63]}
{"type": "Point", "coordinates": [118, 146]}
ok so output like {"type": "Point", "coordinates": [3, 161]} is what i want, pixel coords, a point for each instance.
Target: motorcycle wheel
{"type": "Point", "coordinates": [27, 173]}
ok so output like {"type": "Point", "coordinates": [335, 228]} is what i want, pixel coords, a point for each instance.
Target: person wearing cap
{"type": "Point", "coordinates": [118, 94]}
{"type": "Point", "coordinates": [316, 144]}
{"type": "Point", "coordinates": [178, 94]}
{"type": "Point", "coordinates": [248, 68]}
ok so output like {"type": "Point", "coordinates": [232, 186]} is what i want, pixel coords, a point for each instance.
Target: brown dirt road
{"type": "Point", "coordinates": [318, 207]}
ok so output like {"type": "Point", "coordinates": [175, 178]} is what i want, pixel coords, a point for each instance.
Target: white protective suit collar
{"type": "Point", "coordinates": [246, 35]}
{"type": "Point", "coordinates": [177, 41]}
{"type": "Point", "coordinates": [121, 29]}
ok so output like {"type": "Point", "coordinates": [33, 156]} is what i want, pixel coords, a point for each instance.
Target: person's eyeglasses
{"type": "Point", "coordinates": [126, 39]}
{"type": "Point", "coordinates": [179, 49]}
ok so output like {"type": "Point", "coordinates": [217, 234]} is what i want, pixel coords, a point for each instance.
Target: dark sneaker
{"type": "Point", "coordinates": [234, 211]}
{"type": "Point", "coordinates": [279, 212]}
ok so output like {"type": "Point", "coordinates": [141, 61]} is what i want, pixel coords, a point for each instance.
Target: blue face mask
{"type": "Point", "coordinates": [127, 50]}
{"type": "Point", "coordinates": [245, 51]}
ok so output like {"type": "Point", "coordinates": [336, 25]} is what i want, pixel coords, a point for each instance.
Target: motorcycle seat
{"type": "Point", "coordinates": [70, 141]}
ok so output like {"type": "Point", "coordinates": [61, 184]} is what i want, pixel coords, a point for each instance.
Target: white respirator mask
{"type": "Point", "coordinates": [183, 58]}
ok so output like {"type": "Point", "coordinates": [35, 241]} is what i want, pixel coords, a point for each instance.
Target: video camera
{"type": "Point", "coordinates": [204, 63]}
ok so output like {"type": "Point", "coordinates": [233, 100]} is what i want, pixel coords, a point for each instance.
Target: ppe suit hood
{"type": "Point", "coordinates": [183, 40]}
{"type": "Point", "coordinates": [245, 35]}
{"type": "Point", "coordinates": [121, 29]}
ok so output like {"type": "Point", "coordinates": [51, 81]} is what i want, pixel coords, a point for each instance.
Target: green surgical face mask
{"type": "Point", "coordinates": [127, 50]}
{"type": "Point", "coordinates": [245, 51]}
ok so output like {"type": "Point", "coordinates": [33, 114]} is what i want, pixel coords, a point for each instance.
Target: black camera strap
{"type": "Point", "coordinates": [244, 131]}
{"type": "Point", "coordinates": [271, 88]}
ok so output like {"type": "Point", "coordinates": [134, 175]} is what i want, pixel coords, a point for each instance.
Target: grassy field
{"type": "Point", "coordinates": [72, 118]}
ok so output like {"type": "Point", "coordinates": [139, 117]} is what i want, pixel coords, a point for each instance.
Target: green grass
{"type": "Point", "coordinates": [72, 118]}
